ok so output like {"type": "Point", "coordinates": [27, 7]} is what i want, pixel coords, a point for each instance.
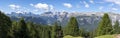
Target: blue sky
{"type": "Point", "coordinates": [40, 6]}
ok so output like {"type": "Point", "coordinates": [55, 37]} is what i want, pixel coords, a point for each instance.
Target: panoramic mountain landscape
{"type": "Point", "coordinates": [89, 21]}
{"type": "Point", "coordinates": [59, 19]}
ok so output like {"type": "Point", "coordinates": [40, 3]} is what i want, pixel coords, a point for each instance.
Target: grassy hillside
{"type": "Point", "coordinates": [68, 36]}
{"type": "Point", "coordinates": [105, 36]}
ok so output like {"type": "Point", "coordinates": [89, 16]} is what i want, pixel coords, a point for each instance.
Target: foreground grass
{"type": "Point", "coordinates": [68, 36]}
{"type": "Point", "coordinates": [105, 36]}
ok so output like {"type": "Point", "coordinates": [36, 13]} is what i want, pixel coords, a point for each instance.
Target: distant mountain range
{"type": "Point", "coordinates": [89, 20]}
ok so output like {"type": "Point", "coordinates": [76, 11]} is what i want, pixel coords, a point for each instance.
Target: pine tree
{"type": "Point", "coordinates": [91, 34]}
{"type": "Point", "coordinates": [5, 25]}
{"type": "Point", "coordinates": [72, 27]}
{"type": "Point", "coordinates": [82, 32]}
{"type": "Point", "coordinates": [116, 28]}
{"type": "Point", "coordinates": [105, 26]}
{"type": "Point", "coordinates": [38, 31]}
{"type": "Point", "coordinates": [42, 31]}
{"type": "Point", "coordinates": [31, 30]}
{"type": "Point", "coordinates": [46, 32]}
{"type": "Point", "coordinates": [23, 29]}
{"type": "Point", "coordinates": [57, 31]}
{"type": "Point", "coordinates": [54, 30]}
{"type": "Point", "coordinates": [16, 29]}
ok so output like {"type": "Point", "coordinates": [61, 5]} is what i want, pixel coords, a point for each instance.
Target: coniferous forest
{"type": "Point", "coordinates": [22, 29]}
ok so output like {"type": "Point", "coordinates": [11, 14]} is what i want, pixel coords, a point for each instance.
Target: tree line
{"type": "Point", "coordinates": [22, 29]}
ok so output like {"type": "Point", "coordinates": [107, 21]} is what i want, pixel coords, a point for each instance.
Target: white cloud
{"type": "Point", "coordinates": [67, 5]}
{"type": "Point", "coordinates": [101, 7]}
{"type": "Point", "coordinates": [91, 1]}
{"type": "Point", "coordinates": [31, 4]}
{"type": "Point", "coordinates": [86, 4]}
{"type": "Point", "coordinates": [114, 1]}
{"type": "Point", "coordinates": [115, 9]}
{"type": "Point", "coordinates": [13, 6]}
{"type": "Point", "coordinates": [51, 7]}
{"type": "Point", "coordinates": [43, 6]}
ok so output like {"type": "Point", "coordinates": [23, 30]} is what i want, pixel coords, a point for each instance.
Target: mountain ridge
{"type": "Point", "coordinates": [88, 21]}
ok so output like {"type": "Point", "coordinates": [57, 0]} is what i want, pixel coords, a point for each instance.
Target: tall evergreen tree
{"type": "Point", "coordinates": [54, 30]}
{"type": "Point", "coordinates": [23, 29]}
{"type": "Point", "coordinates": [31, 30]}
{"type": "Point", "coordinates": [46, 32]}
{"type": "Point", "coordinates": [15, 28]}
{"type": "Point", "coordinates": [105, 26]}
{"type": "Point", "coordinates": [116, 28]}
{"type": "Point", "coordinates": [5, 25]}
{"type": "Point", "coordinates": [57, 31]}
{"type": "Point", "coordinates": [42, 31]}
{"type": "Point", "coordinates": [72, 27]}
{"type": "Point", "coordinates": [82, 32]}
{"type": "Point", "coordinates": [38, 31]}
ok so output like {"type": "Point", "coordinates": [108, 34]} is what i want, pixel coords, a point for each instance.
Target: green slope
{"type": "Point", "coordinates": [105, 36]}
{"type": "Point", "coordinates": [68, 36]}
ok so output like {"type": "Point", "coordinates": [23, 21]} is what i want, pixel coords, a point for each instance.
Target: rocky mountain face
{"type": "Point", "coordinates": [89, 21]}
